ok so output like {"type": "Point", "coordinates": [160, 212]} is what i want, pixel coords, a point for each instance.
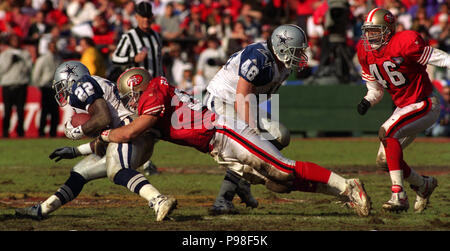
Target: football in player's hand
{"type": "Point", "coordinates": [79, 119]}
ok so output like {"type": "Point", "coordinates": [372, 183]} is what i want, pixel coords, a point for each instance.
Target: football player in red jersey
{"type": "Point", "coordinates": [397, 63]}
{"type": "Point", "coordinates": [185, 121]}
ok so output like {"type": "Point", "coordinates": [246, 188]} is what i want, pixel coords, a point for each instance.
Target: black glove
{"type": "Point", "coordinates": [363, 106]}
{"type": "Point", "coordinates": [64, 153]}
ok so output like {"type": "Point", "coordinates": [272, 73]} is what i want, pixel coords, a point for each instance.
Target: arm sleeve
{"type": "Point", "coordinates": [439, 58]}
{"type": "Point", "coordinates": [375, 92]}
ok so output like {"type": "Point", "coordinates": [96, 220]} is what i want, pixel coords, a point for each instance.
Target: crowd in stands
{"type": "Point", "coordinates": [198, 35]}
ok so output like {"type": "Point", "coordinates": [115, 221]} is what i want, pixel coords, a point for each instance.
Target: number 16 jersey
{"type": "Point", "coordinates": [400, 67]}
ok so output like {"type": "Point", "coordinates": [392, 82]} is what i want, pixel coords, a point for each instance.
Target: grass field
{"type": "Point", "coordinates": [28, 176]}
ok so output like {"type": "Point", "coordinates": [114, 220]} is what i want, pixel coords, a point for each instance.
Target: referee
{"type": "Point", "coordinates": [140, 46]}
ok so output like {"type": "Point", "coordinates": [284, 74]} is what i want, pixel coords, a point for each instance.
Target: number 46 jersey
{"type": "Point", "coordinates": [90, 88]}
{"type": "Point", "coordinates": [400, 67]}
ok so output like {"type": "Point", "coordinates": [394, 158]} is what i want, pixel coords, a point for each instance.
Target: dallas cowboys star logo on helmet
{"type": "Point", "coordinates": [70, 70]}
{"type": "Point", "coordinates": [284, 37]}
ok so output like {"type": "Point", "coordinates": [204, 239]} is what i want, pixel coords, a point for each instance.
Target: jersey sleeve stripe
{"type": "Point", "coordinates": [153, 110]}
{"type": "Point", "coordinates": [425, 55]}
{"type": "Point", "coordinates": [367, 77]}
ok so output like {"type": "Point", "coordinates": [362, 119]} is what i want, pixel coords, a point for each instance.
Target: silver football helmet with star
{"type": "Point", "coordinates": [131, 84]}
{"type": "Point", "coordinates": [288, 42]}
{"type": "Point", "coordinates": [67, 74]}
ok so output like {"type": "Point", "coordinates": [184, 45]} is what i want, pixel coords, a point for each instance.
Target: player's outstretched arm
{"type": "Point", "coordinates": [439, 58]}
{"type": "Point", "coordinates": [128, 132]}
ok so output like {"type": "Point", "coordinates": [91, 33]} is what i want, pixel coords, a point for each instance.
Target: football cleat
{"type": "Point", "coordinates": [398, 202]}
{"type": "Point", "coordinates": [163, 206]}
{"type": "Point", "coordinates": [357, 196]}
{"type": "Point", "coordinates": [33, 212]}
{"type": "Point", "coordinates": [222, 206]}
{"type": "Point", "coordinates": [244, 192]}
{"type": "Point", "coordinates": [423, 193]}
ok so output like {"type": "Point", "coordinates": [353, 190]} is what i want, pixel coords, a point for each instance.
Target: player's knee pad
{"type": "Point", "coordinates": [91, 167]}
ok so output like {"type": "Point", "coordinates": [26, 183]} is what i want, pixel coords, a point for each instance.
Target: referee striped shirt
{"type": "Point", "coordinates": [132, 42]}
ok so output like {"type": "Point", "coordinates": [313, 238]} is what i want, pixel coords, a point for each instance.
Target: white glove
{"type": "Point", "coordinates": [73, 132]}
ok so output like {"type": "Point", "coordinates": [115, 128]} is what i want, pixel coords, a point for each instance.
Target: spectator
{"type": "Point", "coordinates": [92, 58]}
{"type": "Point", "coordinates": [196, 28]}
{"type": "Point", "coordinates": [186, 84]}
{"type": "Point", "coordinates": [42, 76]}
{"type": "Point", "coordinates": [169, 23]}
{"type": "Point", "coordinates": [421, 20]}
{"type": "Point", "coordinates": [441, 27]}
{"type": "Point", "coordinates": [37, 29]}
{"type": "Point", "coordinates": [442, 126]}
{"type": "Point", "coordinates": [54, 33]}
{"type": "Point", "coordinates": [305, 9]}
{"type": "Point", "coordinates": [55, 16]}
{"type": "Point", "coordinates": [128, 13]}
{"type": "Point", "coordinates": [251, 20]}
{"type": "Point", "coordinates": [236, 39]}
{"type": "Point", "coordinates": [15, 71]}
{"type": "Point", "coordinates": [175, 61]}
{"type": "Point", "coordinates": [131, 52]}
{"type": "Point", "coordinates": [404, 17]}
{"type": "Point", "coordinates": [210, 60]}
{"type": "Point", "coordinates": [104, 36]}
{"type": "Point", "coordinates": [81, 12]}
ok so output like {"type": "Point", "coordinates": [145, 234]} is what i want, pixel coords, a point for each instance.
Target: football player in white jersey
{"type": "Point", "coordinates": [259, 68]}
{"type": "Point", "coordinates": [100, 98]}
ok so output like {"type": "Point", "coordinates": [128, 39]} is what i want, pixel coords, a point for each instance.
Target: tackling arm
{"type": "Point", "coordinates": [130, 131]}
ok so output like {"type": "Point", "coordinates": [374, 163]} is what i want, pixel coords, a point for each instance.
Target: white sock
{"type": "Point", "coordinates": [148, 192]}
{"type": "Point", "coordinates": [338, 182]}
{"type": "Point", "coordinates": [397, 177]}
{"type": "Point", "coordinates": [50, 205]}
{"type": "Point", "coordinates": [327, 189]}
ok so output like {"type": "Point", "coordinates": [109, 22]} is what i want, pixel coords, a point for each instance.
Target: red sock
{"type": "Point", "coordinates": [311, 172]}
{"type": "Point", "coordinates": [394, 157]}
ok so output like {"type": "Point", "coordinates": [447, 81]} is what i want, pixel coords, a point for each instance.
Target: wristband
{"type": "Point", "coordinates": [105, 135]}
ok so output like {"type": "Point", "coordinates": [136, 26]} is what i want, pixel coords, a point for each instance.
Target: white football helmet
{"type": "Point", "coordinates": [131, 84]}
{"type": "Point", "coordinates": [288, 42]}
{"type": "Point", "coordinates": [67, 74]}
{"type": "Point", "coordinates": [378, 28]}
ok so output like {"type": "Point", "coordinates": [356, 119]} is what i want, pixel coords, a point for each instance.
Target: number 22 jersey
{"type": "Point", "coordinates": [400, 67]}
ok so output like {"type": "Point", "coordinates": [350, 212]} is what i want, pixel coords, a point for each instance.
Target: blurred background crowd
{"type": "Point", "coordinates": [199, 35]}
